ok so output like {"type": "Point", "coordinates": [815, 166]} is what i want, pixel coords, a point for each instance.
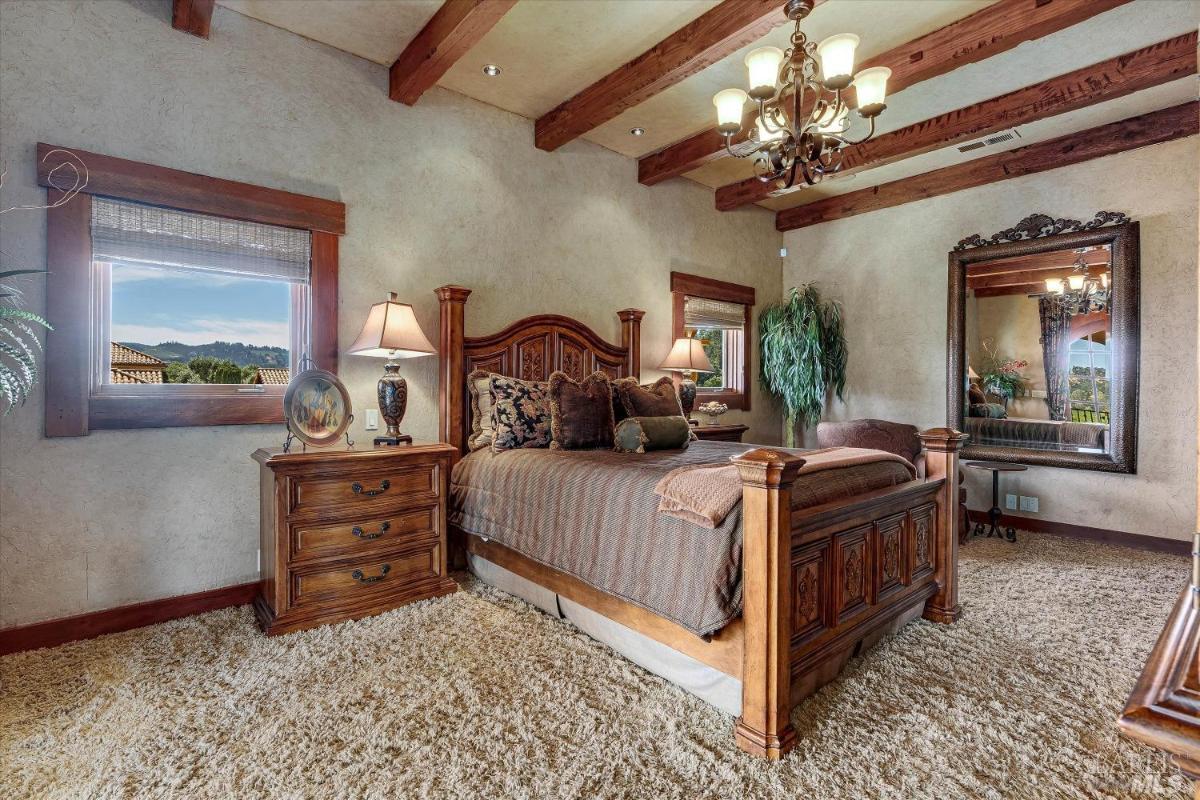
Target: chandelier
{"type": "Point", "coordinates": [788, 147]}
{"type": "Point", "coordinates": [1080, 291]}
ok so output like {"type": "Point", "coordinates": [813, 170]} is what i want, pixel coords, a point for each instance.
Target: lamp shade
{"type": "Point", "coordinates": [687, 355]}
{"type": "Point", "coordinates": [729, 104]}
{"type": "Point", "coordinates": [762, 64]}
{"type": "Point", "coordinates": [971, 373]}
{"type": "Point", "coordinates": [391, 331]}
{"type": "Point", "coordinates": [871, 85]}
{"type": "Point", "coordinates": [836, 54]}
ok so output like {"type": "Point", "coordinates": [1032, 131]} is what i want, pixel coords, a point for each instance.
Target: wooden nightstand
{"type": "Point", "coordinates": [350, 532]}
{"type": "Point", "coordinates": [720, 433]}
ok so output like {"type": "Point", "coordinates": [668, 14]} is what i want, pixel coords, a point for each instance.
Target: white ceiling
{"type": "Point", "coordinates": [551, 49]}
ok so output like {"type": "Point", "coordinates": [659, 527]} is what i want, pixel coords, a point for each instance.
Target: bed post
{"type": "Point", "coordinates": [941, 461]}
{"type": "Point", "coordinates": [631, 339]}
{"type": "Point", "coordinates": [765, 726]}
{"type": "Point", "coordinates": [452, 302]}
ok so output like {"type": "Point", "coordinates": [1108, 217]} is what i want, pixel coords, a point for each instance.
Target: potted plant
{"type": "Point", "coordinates": [802, 345]}
{"type": "Point", "coordinates": [1001, 376]}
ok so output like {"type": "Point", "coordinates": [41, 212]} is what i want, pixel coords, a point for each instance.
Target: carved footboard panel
{"type": "Point", "coordinates": [820, 583]}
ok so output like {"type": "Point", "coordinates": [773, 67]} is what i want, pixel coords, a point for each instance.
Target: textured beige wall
{"type": "Point", "coordinates": [450, 191]}
{"type": "Point", "coordinates": [889, 268]}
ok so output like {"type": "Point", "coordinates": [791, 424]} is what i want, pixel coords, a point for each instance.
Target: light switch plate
{"type": "Point", "coordinates": [1029, 504]}
{"type": "Point", "coordinates": [372, 419]}
{"type": "Point", "coordinates": [1010, 502]}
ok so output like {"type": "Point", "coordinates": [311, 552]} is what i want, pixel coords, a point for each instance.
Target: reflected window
{"type": "Point", "coordinates": [1089, 377]}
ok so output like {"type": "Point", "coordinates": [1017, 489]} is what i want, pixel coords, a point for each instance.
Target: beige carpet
{"type": "Point", "coordinates": [479, 695]}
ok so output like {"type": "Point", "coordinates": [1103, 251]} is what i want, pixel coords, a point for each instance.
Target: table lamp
{"type": "Point", "coordinates": [687, 357]}
{"type": "Point", "coordinates": [391, 331]}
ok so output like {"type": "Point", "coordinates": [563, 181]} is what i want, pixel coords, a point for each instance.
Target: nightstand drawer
{"type": "Point", "coordinates": [348, 581]}
{"type": "Point", "coordinates": [410, 484]}
{"type": "Point", "coordinates": [362, 536]}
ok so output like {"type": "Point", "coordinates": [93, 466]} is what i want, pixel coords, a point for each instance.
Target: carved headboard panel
{"type": "Point", "coordinates": [529, 349]}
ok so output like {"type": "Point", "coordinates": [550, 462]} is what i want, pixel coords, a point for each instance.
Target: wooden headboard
{"type": "Point", "coordinates": [529, 349]}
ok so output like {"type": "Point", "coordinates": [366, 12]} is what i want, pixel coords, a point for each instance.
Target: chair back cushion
{"type": "Point", "coordinates": [876, 434]}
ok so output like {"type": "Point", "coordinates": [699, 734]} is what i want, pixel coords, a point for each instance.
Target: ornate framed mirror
{"type": "Point", "coordinates": [1042, 358]}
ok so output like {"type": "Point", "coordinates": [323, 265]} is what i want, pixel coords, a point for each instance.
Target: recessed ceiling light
{"type": "Point", "coordinates": [491, 70]}
{"type": "Point", "coordinates": [637, 131]}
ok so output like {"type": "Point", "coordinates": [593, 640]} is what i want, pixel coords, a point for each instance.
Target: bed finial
{"type": "Point", "coordinates": [452, 301]}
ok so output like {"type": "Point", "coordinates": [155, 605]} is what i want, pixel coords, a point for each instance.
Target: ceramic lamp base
{"type": "Point", "coordinates": [393, 400]}
{"type": "Point", "coordinates": [687, 399]}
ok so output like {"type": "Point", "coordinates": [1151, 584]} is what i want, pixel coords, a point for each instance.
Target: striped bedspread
{"type": "Point", "coordinates": [594, 515]}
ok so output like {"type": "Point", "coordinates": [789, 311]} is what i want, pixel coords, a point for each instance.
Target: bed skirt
{"type": "Point", "coordinates": [694, 677]}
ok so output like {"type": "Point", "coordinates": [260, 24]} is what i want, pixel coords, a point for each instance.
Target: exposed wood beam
{"type": "Point", "coordinates": [1095, 257]}
{"type": "Point", "coordinates": [704, 41]}
{"type": "Point", "coordinates": [1142, 69]}
{"type": "Point", "coordinates": [1153, 128]}
{"type": "Point", "coordinates": [456, 27]}
{"type": "Point", "coordinates": [985, 33]}
{"type": "Point", "coordinates": [1002, 291]}
{"type": "Point", "coordinates": [1022, 278]}
{"type": "Point", "coordinates": [192, 16]}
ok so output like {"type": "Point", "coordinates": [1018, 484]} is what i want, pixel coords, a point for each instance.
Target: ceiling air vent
{"type": "Point", "coordinates": [992, 140]}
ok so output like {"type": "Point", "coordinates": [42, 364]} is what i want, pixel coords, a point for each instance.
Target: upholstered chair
{"type": "Point", "coordinates": [892, 437]}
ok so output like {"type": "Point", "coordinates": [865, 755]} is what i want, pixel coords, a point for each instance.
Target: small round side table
{"type": "Point", "coordinates": [994, 513]}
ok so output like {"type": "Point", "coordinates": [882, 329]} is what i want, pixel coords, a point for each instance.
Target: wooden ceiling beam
{"type": "Point", "coordinates": [1002, 291]}
{"type": "Point", "coordinates": [192, 16]}
{"type": "Point", "coordinates": [722, 30]}
{"type": "Point", "coordinates": [1098, 256]}
{"type": "Point", "coordinates": [1128, 134]}
{"type": "Point", "coordinates": [456, 27]}
{"type": "Point", "coordinates": [1116, 77]}
{"type": "Point", "coordinates": [1028, 276]}
{"type": "Point", "coordinates": [985, 33]}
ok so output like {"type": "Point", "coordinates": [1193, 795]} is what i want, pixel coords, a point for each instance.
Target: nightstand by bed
{"type": "Point", "coordinates": [720, 433]}
{"type": "Point", "coordinates": [350, 532]}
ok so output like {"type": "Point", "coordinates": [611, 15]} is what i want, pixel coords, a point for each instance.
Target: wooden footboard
{"type": "Point", "coordinates": [820, 583]}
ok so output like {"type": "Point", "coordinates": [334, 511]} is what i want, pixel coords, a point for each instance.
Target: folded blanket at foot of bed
{"type": "Point", "coordinates": [704, 494]}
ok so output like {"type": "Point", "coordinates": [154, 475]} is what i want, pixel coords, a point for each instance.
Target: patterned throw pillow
{"type": "Point", "coordinates": [657, 399]}
{"type": "Point", "coordinates": [483, 417]}
{"type": "Point", "coordinates": [522, 413]}
{"type": "Point", "coordinates": [580, 413]}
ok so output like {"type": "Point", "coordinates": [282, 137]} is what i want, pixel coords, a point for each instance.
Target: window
{"type": "Point", "coordinates": [1089, 377]}
{"type": "Point", "coordinates": [718, 314]}
{"type": "Point", "coordinates": [179, 299]}
{"type": "Point", "coordinates": [186, 298]}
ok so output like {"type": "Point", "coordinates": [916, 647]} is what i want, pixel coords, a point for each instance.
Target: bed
{"type": "Point", "coordinates": [753, 615]}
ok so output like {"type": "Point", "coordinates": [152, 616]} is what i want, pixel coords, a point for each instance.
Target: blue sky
{"type": "Point", "coordinates": [151, 306]}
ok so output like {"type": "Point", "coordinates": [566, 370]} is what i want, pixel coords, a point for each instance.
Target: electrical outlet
{"type": "Point", "coordinates": [1029, 504]}
{"type": "Point", "coordinates": [372, 419]}
{"type": "Point", "coordinates": [1010, 502]}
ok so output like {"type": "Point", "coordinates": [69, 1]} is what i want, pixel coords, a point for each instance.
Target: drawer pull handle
{"type": "Point", "coordinates": [357, 488]}
{"type": "Point", "coordinates": [383, 571]}
{"type": "Point", "coordinates": [384, 527]}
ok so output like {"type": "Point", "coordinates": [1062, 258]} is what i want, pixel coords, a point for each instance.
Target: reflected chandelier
{"type": "Point", "coordinates": [1080, 292]}
{"type": "Point", "coordinates": [786, 146]}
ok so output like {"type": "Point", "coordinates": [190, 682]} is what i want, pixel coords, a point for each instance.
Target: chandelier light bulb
{"type": "Point", "coordinates": [729, 103]}
{"type": "Point", "coordinates": [1104, 279]}
{"type": "Point", "coordinates": [1054, 285]}
{"type": "Point", "coordinates": [763, 66]}
{"type": "Point", "coordinates": [871, 86]}
{"type": "Point", "coordinates": [1076, 282]}
{"type": "Point", "coordinates": [765, 135]}
{"type": "Point", "coordinates": [836, 55]}
{"type": "Point", "coordinates": [833, 121]}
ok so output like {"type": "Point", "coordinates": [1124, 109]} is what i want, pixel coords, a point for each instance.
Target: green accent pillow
{"type": "Point", "coordinates": [639, 434]}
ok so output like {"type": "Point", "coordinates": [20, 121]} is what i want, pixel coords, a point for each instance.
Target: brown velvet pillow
{"type": "Point", "coordinates": [658, 399]}
{"type": "Point", "coordinates": [581, 415]}
{"type": "Point", "coordinates": [976, 395]}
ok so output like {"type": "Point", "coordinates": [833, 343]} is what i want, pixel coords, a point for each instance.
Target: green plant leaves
{"type": "Point", "coordinates": [18, 352]}
{"type": "Point", "coordinates": [803, 353]}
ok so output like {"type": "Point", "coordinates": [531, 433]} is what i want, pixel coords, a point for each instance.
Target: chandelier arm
{"type": "Point", "coordinates": [870, 133]}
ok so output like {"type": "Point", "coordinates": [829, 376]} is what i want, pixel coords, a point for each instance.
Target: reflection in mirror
{"type": "Point", "coordinates": [1039, 347]}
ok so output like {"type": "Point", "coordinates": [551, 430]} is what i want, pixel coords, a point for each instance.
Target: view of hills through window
{"type": "Point", "coordinates": [195, 327]}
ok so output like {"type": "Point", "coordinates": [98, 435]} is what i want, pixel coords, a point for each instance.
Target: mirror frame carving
{"type": "Point", "coordinates": [1040, 233]}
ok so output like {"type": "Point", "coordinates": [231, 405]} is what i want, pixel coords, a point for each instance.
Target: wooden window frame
{"type": "Point", "coordinates": [684, 285]}
{"type": "Point", "coordinates": [75, 401]}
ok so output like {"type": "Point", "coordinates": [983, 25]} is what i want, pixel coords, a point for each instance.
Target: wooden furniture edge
{"type": "Point", "coordinates": [722, 651]}
{"type": "Point", "coordinates": [52, 633]}
{"type": "Point", "coordinates": [192, 16]}
{"type": "Point", "coordinates": [1163, 709]}
{"type": "Point", "coordinates": [1137, 541]}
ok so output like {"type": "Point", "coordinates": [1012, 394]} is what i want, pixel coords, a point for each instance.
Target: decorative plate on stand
{"type": "Point", "coordinates": [316, 407]}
